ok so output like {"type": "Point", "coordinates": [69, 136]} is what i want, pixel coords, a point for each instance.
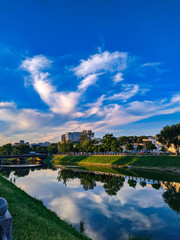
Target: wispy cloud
{"type": "Point", "coordinates": [118, 77]}
{"type": "Point", "coordinates": [59, 102]}
{"type": "Point", "coordinates": [105, 61]}
{"type": "Point", "coordinates": [129, 90]}
{"type": "Point", "coordinates": [110, 105]}
{"type": "Point", "coordinates": [88, 81]}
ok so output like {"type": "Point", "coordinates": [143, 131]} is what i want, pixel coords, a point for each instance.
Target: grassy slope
{"type": "Point", "coordinates": [31, 220]}
{"type": "Point", "coordinates": [141, 161]}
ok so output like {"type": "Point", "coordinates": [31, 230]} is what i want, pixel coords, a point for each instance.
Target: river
{"type": "Point", "coordinates": [105, 206]}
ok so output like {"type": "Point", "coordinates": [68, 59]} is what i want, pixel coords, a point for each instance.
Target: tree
{"type": "Point", "coordinates": [107, 141]}
{"type": "Point", "coordinates": [170, 135]}
{"type": "Point", "coordinates": [52, 148]}
{"type": "Point", "coordinates": [66, 147]}
{"type": "Point", "coordinates": [129, 147]}
{"type": "Point", "coordinates": [139, 148]}
{"type": "Point", "coordinates": [100, 148]}
{"type": "Point", "coordinates": [163, 149]}
{"type": "Point", "coordinates": [123, 140]}
{"type": "Point", "coordinates": [6, 149]}
{"type": "Point", "coordinates": [114, 145]}
{"type": "Point", "coordinates": [86, 135]}
{"type": "Point", "coordinates": [140, 139]}
{"type": "Point", "coordinates": [149, 146]}
{"type": "Point", "coordinates": [22, 149]}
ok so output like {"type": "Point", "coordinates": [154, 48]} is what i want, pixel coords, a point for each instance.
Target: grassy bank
{"type": "Point", "coordinates": [31, 220]}
{"type": "Point", "coordinates": [147, 174]}
{"type": "Point", "coordinates": [124, 161]}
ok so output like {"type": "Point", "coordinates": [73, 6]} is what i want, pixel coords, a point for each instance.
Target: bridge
{"type": "Point", "coordinates": [41, 156]}
{"type": "Point", "coordinates": [23, 157]}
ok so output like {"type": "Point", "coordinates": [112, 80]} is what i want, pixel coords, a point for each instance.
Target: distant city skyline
{"type": "Point", "coordinates": [110, 66]}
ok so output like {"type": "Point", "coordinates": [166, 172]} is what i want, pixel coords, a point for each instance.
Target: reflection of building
{"type": "Point", "coordinates": [71, 136]}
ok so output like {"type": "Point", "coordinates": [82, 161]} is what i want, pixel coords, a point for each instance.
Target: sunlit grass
{"type": "Point", "coordinates": [124, 161]}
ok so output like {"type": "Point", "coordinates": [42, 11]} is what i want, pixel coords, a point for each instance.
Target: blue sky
{"type": "Point", "coordinates": [110, 66]}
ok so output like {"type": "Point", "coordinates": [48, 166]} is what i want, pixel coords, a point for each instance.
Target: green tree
{"type": "Point", "coordinates": [140, 139]}
{"type": "Point", "coordinates": [22, 149]}
{"type": "Point", "coordinates": [100, 148]}
{"type": "Point", "coordinates": [6, 149]}
{"type": "Point", "coordinates": [52, 148]}
{"type": "Point", "coordinates": [86, 135]}
{"type": "Point", "coordinates": [66, 147]}
{"type": "Point", "coordinates": [114, 145]}
{"type": "Point", "coordinates": [129, 147]}
{"type": "Point", "coordinates": [123, 140]}
{"type": "Point", "coordinates": [170, 135]}
{"type": "Point", "coordinates": [107, 141]}
{"type": "Point", "coordinates": [163, 149]}
{"type": "Point", "coordinates": [139, 148]}
{"type": "Point", "coordinates": [149, 146]}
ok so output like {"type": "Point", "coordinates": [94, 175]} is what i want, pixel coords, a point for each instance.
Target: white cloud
{"type": "Point", "coordinates": [68, 110]}
{"type": "Point", "coordinates": [151, 64]}
{"type": "Point", "coordinates": [36, 64]}
{"type": "Point", "coordinates": [87, 81]}
{"type": "Point", "coordinates": [118, 77]}
{"type": "Point", "coordinates": [7, 105]}
{"type": "Point", "coordinates": [129, 90]}
{"type": "Point", "coordinates": [59, 102]}
{"type": "Point", "coordinates": [104, 61]}
{"type": "Point", "coordinates": [175, 98]}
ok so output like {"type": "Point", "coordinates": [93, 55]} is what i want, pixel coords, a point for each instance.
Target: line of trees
{"type": "Point", "coordinates": [8, 149]}
{"type": "Point", "coordinates": [109, 143]}
{"type": "Point", "coordinates": [168, 136]}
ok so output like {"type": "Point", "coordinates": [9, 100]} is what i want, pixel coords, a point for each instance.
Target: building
{"type": "Point", "coordinates": [42, 144]}
{"type": "Point", "coordinates": [71, 136]}
{"type": "Point", "coordinates": [63, 138]}
{"type": "Point", "coordinates": [21, 142]}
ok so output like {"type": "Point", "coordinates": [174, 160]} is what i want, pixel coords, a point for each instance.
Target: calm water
{"type": "Point", "coordinates": [104, 206]}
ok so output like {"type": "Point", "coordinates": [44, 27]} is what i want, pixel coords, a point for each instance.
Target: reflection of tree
{"type": "Point", "coordinates": [21, 172]}
{"type": "Point", "coordinates": [156, 185]}
{"type": "Point", "coordinates": [172, 197]}
{"type": "Point", "coordinates": [88, 182]}
{"type": "Point", "coordinates": [112, 184]}
{"type": "Point", "coordinates": [65, 175]}
{"type": "Point", "coordinates": [5, 172]}
{"type": "Point", "coordinates": [143, 184]}
{"type": "Point", "coordinates": [132, 183]}
{"type": "Point", "coordinates": [81, 226]}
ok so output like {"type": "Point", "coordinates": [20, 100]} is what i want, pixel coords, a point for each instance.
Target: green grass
{"type": "Point", "coordinates": [32, 220]}
{"type": "Point", "coordinates": [124, 161]}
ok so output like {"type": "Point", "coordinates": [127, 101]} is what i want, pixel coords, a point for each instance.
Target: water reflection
{"type": "Point", "coordinates": [172, 196]}
{"type": "Point", "coordinates": [106, 206]}
{"type": "Point", "coordinates": [112, 184]}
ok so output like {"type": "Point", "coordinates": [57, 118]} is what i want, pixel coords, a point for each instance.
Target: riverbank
{"type": "Point", "coordinates": [31, 219]}
{"type": "Point", "coordinates": [161, 163]}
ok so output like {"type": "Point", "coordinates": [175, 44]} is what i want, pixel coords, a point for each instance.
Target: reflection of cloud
{"type": "Point", "coordinates": [131, 210]}
{"type": "Point", "coordinates": [66, 209]}
{"type": "Point", "coordinates": [92, 233]}
{"type": "Point", "coordinates": [75, 183]}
